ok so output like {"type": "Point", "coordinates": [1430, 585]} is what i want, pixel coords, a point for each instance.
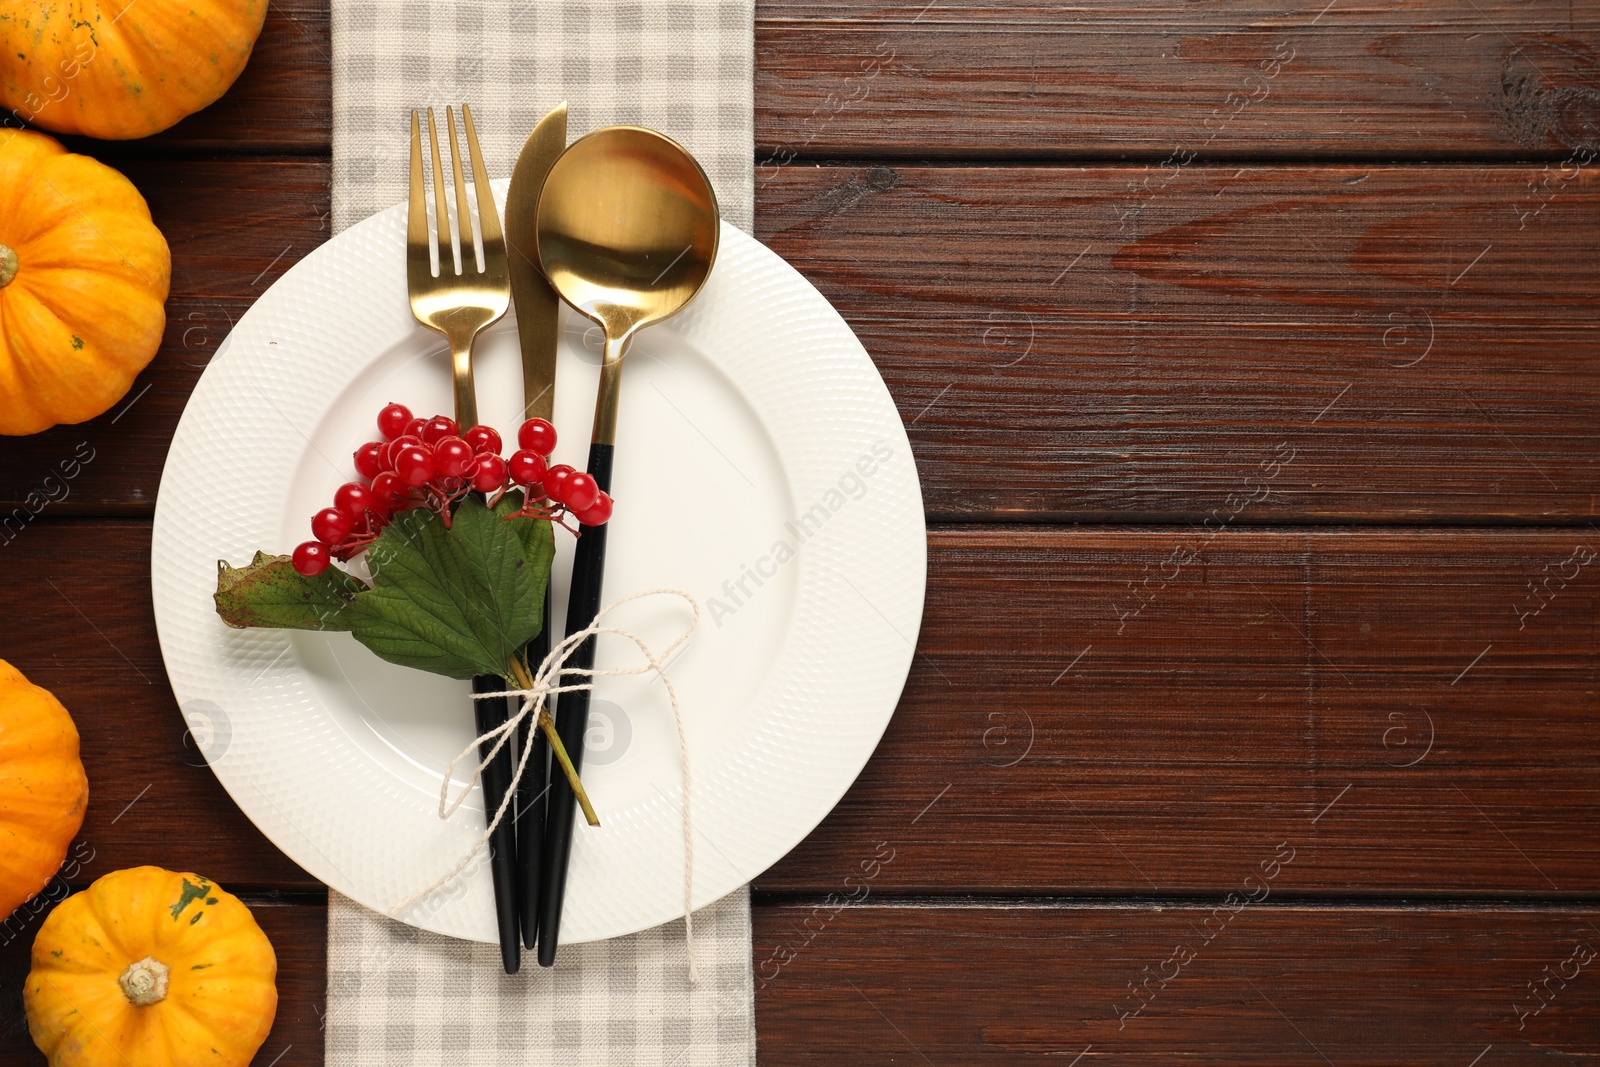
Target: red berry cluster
{"type": "Point", "coordinates": [430, 463]}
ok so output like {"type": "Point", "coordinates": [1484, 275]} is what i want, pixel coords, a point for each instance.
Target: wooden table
{"type": "Point", "coordinates": [1250, 361]}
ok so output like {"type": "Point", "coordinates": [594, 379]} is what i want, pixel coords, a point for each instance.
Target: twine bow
{"type": "Point", "coordinates": [545, 683]}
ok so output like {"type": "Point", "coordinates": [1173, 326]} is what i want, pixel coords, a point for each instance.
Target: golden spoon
{"type": "Point", "coordinates": [627, 233]}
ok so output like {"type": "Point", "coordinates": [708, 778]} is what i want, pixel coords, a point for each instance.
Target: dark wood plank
{"type": "Point", "coordinates": [1367, 694]}
{"type": "Point", "coordinates": [1077, 344]}
{"type": "Point", "coordinates": [1242, 79]}
{"type": "Point", "coordinates": [1424, 337]}
{"type": "Point", "coordinates": [1421, 78]}
{"type": "Point", "coordinates": [233, 226]}
{"type": "Point", "coordinates": [298, 932]}
{"type": "Point", "coordinates": [1275, 687]}
{"type": "Point", "coordinates": [1271, 985]}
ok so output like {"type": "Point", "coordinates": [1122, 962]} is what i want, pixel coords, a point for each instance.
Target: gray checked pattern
{"type": "Point", "coordinates": [399, 997]}
{"type": "Point", "coordinates": [683, 67]}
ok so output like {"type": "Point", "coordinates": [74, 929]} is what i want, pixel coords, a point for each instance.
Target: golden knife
{"type": "Point", "coordinates": [538, 307]}
{"type": "Point", "coordinates": [538, 331]}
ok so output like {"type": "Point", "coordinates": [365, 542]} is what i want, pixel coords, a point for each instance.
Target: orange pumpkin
{"type": "Point", "coordinates": [151, 968]}
{"type": "Point", "coordinates": [43, 790]}
{"type": "Point", "coordinates": [83, 283]}
{"type": "Point", "coordinates": [121, 69]}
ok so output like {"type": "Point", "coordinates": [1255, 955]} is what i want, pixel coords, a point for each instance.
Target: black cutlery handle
{"type": "Point", "coordinates": [496, 779]}
{"type": "Point", "coordinates": [572, 716]}
{"type": "Point", "coordinates": [531, 799]}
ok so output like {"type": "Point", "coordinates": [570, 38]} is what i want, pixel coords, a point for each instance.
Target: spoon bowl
{"type": "Point", "coordinates": [627, 228]}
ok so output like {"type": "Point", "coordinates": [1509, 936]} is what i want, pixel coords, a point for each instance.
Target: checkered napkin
{"type": "Point", "coordinates": [683, 67]}
{"type": "Point", "coordinates": [398, 997]}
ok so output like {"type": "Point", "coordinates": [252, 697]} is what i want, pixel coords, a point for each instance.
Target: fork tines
{"type": "Point", "coordinates": [462, 298]}
{"type": "Point", "coordinates": [419, 235]}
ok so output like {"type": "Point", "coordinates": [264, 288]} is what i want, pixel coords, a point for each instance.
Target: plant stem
{"type": "Point", "coordinates": [548, 725]}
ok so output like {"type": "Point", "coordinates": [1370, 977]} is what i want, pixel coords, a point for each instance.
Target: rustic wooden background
{"type": "Point", "coordinates": [1250, 361]}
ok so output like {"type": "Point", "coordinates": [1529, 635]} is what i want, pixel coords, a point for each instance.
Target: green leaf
{"type": "Point", "coordinates": [457, 601]}
{"type": "Point", "coordinates": [270, 592]}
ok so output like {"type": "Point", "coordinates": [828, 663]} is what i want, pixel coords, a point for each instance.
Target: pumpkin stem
{"type": "Point", "coordinates": [145, 983]}
{"type": "Point", "coordinates": [8, 266]}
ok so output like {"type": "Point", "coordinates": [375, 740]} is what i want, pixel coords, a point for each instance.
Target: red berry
{"type": "Point", "coordinates": [555, 482]}
{"type": "Point", "coordinates": [483, 439]}
{"type": "Point", "coordinates": [598, 513]}
{"type": "Point", "coordinates": [353, 499]}
{"type": "Point", "coordinates": [330, 526]}
{"type": "Point", "coordinates": [387, 491]}
{"type": "Point", "coordinates": [582, 491]}
{"type": "Point", "coordinates": [437, 429]}
{"type": "Point", "coordinates": [453, 457]}
{"type": "Point", "coordinates": [526, 467]}
{"type": "Point", "coordinates": [414, 427]}
{"type": "Point", "coordinates": [369, 459]}
{"type": "Point", "coordinates": [392, 421]}
{"type": "Point", "coordinates": [394, 448]}
{"type": "Point", "coordinates": [489, 474]}
{"type": "Point", "coordinates": [311, 558]}
{"type": "Point", "coordinates": [414, 465]}
{"type": "Point", "coordinates": [537, 435]}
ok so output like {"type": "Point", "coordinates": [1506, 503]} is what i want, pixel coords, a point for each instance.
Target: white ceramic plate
{"type": "Point", "coordinates": [761, 466]}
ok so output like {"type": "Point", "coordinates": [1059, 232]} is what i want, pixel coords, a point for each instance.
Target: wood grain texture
{"type": "Point", "coordinates": [1423, 78]}
{"type": "Point", "coordinates": [1419, 78]}
{"type": "Point", "coordinates": [1335, 689]}
{"type": "Point", "coordinates": [1108, 343]}
{"type": "Point", "coordinates": [1090, 343]}
{"type": "Point", "coordinates": [297, 930]}
{"type": "Point", "coordinates": [1271, 985]}
{"type": "Point", "coordinates": [1367, 696]}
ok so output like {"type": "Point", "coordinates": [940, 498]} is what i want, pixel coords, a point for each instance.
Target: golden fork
{"type": "Point", "coordinates": [457, 303]}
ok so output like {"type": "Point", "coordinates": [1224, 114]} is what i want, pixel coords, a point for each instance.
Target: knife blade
{"type": "Point", "coordinates": [538, 331]}
{"type": "Point", "coordinates": [538, 307]}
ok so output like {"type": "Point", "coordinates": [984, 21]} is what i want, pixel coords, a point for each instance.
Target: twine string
{"type": "Point", "coordinates": [546, 683]}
